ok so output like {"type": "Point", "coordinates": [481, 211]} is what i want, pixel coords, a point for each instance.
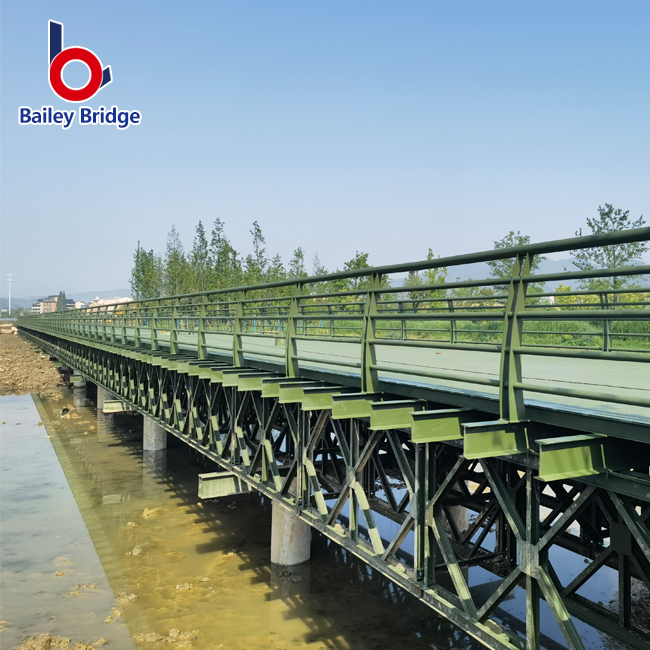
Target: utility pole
{"type": "Point", "coordinates": [9, 282]}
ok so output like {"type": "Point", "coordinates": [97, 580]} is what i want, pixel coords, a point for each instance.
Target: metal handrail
{"type": "Point", "coordinates": [157, 323]}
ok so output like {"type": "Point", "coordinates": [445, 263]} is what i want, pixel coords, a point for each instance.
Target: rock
{"type": "Point", "coordinates": [137, 550]}
{"type": "Point", "coordinates": [40, 642]}
{"type": "Point", "coordinates": [147, 513]}
{"type": "Point", "coordinates": [100, 642]}
{"type": "Point", "coordinates": [58, 574]}
{"type": "Point", "coordinates": [123, 599]}
{"type": "Point", "coordinates": [186, 586]}
{"type": "Point", "coordinates": [109, 619]}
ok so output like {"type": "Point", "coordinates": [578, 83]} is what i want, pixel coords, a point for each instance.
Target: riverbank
{"type": "Point", "coordinates": [23, 371]}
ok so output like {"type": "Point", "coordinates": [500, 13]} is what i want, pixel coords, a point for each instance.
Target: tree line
{"type": "Point", "coordinates": [212, 263]}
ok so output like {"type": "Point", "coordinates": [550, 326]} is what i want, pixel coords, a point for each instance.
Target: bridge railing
{"type": "Point", "coordinates": [365, 327]}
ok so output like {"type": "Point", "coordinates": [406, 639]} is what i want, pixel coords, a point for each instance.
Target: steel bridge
{"type": "Point", "coordinates": [447, 434]}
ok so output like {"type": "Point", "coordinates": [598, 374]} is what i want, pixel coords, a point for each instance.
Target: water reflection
{"type": "Point", "coordinates": [202, 568]}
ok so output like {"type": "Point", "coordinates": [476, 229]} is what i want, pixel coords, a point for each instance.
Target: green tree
{"type": "Point", "coordinates": [226, 268]}
{"type": "Point", "coordinates": [416, 279]}
{"type": "Point", "coordinates": [60, 302]}
{"type": "Point", "coordinates": [256, 263]}
{"type": "Point", "coordinates": [176, 270]}
{"type": "Point", "coordinates": [565, 300]}
{"type": "Point", "coordinates": [199, 261]}
{"type": "Point", "coordinates": [297, 265]}
{"type": "Point", "coordinates": [615, 256]}
{"type": "Point", "coordinates": [146, 274]}
{"type": "Point", "coordinates": [503, 268]}
{"type": "Point", "coordinates": [275, 271]}
{"type": "Point", "coordinates": [317, 268]}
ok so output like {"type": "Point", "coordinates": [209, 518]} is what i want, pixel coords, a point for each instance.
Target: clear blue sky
{"type": "Point", "coordinates": [384, 127]}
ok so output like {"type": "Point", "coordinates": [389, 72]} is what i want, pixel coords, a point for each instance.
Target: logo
{"type": "Point", "coordinates": [100, 76]}
{"type": "Point", "coordinates": [60, 57]}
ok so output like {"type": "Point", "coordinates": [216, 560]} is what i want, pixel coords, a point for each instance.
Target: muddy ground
{"type": "Point", "coordinates": [23, 371]}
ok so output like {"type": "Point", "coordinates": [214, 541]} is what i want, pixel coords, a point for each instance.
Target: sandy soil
{"type": "Point", "coordinates": [49, 642]}
{"type": "Point", "coordinates": [23, 371]}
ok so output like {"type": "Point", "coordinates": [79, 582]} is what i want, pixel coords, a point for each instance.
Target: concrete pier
{"type": "Point", "coordinates": [154, 437]}
{"type": "Point", "coordinates": [102, 395]}
{"type": "Point", "coordinates": [79, 393]}
{"type": "Point", "coordinates": [290, 537]}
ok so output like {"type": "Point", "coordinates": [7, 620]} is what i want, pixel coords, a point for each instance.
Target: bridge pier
{"type": "Point", "coordinates": [79, 393]}
{"type": "Point", "coordinates": [290, 536]}
{"type": "Point", "coordinates": [154, 437]}
{"type": "Point", "coordinates": [102, 396]}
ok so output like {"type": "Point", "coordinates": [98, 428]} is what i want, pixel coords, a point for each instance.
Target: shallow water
{"type": "Point", "coordinates": [203, 567]}
{"type": "Point", "coordinates": [200, 568]}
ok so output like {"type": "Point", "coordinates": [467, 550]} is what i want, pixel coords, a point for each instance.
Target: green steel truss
{"type": "Point", "coordinates": [387, 458]}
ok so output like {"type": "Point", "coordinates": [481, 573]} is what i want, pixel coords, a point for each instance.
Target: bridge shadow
{"type": "Point", "coordinates": [342, 602]}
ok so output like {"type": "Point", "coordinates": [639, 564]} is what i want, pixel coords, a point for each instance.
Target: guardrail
{"type": "Point", "coordinates": [360, 308]}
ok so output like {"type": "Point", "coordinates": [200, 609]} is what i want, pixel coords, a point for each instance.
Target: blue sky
{"type": "Point", "coordinates": [384, 127]}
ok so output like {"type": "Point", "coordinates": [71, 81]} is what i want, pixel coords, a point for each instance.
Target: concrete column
{"type": "Point", "coordinates": [102, 395]}
{"type": "Point", "coordinates": [460, 515]}
{"type": "Point", "coordinates": [79, 393]}
{"type": "Point", "coordinates": [290, 537]}
{"type": "Point", "coordinates": [154, 436]}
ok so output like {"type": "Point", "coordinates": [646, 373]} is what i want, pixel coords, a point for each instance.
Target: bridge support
{"type": "Point", "coordinates": [290, 537]}
{"type": "Point", "coordinates": [154, 436]}
{"type": "Point", "coordinates": [79, 393]}
{"type": "Point", "coordinates": [102, 396]}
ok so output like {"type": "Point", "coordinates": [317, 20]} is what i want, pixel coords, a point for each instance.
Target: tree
{"type": "Point", "coordinates": [503, 268]}
{"type": "Point", "coordinates": [276, 271]}
{"type": "Point", "coordinates": [297, 265]}
{"type": "Point", "coordinates": [416, 279]}
{"type": "Point", "coordinates": [317, 268]}
{"type": "Point", "coordinates": [256, 263]}
{"type": "Point", "coordinates": [146, 275]}
{"type": "Point", "coordinates": [614, 256]}
{"type": "Point", "coordinates": [61, 302]}
{"type": "Point", "coordinates": [357, 263]}
{"type": "Point", "coordinates": [199, 261]}
{"type": "Point", "coordinates": [565, 300]}
{"type": "Point", "coordinates": [175, 278]}
{"type": "Point", "coordinates": [226, 268]}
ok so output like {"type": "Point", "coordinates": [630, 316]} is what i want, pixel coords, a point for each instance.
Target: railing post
{"type": "Point", "coordinates": [452, 322]}
{"type": "Point", "coordinates": [291, 364]}
{"type": "Point", "coordinates": [237, 352]}
{"type": "Point", "coordinates": [135, 310]}
{"type": "Point", "coordinates": [154, 327]}
{"type": "Point", "coordinates": [173, 346]}
{"type": "Point", "coordinates": [604, 302]}
{"type": "Point", "coordinates": [123, 319]}
{"type": "Point", "coordinates": [511, 401]}
{"type": "Point", "coordinates": [102, 311]}
{"type": "Point", "coordinates": [200, 341]}
{"type": "Point", "coordinates": [369, 376]}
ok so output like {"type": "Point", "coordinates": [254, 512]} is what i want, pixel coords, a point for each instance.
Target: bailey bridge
{"type": "Point", "coordinates": [459, 437]}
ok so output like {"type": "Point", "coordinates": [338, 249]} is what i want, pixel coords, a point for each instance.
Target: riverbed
{"type": "Point", "coordinates": [103, 540]}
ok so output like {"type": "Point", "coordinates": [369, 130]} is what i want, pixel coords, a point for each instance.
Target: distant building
{"type": "Point", "coordinates": [80, 305]}
{"type": "Point", "coordinates": [111, 302]}
{"type": "Point", "coordinates": [48, 305]}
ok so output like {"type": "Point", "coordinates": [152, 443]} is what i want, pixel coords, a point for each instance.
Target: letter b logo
{"type": "Point", "coordinates": [59, 58]}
